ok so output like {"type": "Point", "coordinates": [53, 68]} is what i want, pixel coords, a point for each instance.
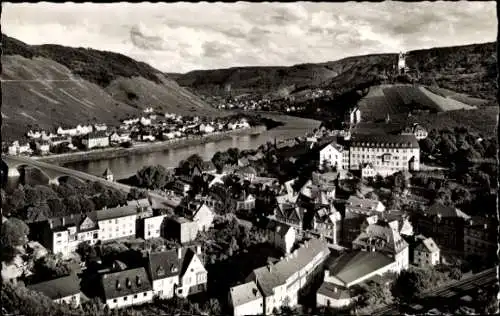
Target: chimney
{"type": "Point", "coordinates": [118, 285]}
{"type": "Point", "coordinates": [179, 253]}
{"type": "Point", "coordinates": [198, 250]}
{"type": "Point", "coordinates": [63, 221]}
{"type": "Point", "coordinates": [270, 267]}
{"type": "Point", "coordinates": [128, 283]}
{"type": "Point", "coordinates": [138, 281]}
{"type": "Point", "coordinates": [335, 289]}
{"type": "Point", "coordinates": [327, 273]}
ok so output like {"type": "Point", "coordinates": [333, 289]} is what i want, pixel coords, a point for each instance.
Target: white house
{"type": "Point", "coordinates": [206, 128]}
{"type": "Point", "coordinates": [148, 137]}
{"type": "Point", "coordinates": [69, 131]}
{"type": "Point", "coordinates": [131, 121]}
{"type": "Point", "coordinates": [119, 138]}
{"type": "Point", "coordinates": [202, 214]}
{"type": "Point", "coordinates": [357, 205]}
{"type": "Point", "coordinates": [17, 149]}
{"type": "Point", "coordinates": [84, 129]}
{"type": "Point", "coordinates": [42, 147]}
{"type": "Point", "coordinates": [34, 134]}
{"type": "Point", "coordinates": [281, 235]}
{"type": "Point", "coordinates": [126, 288]}
{"type": "Point", "coordinates": [367, 171]}
{"type": "Point", "coordinates": [245, 299]}
{"type": "Point", "coordinates": [417, 130]}
{"type": "Point", "coordinates": [281, 282]}
{"type": "Point", "coordinates": [96, 140]}
{"type": "Point", "coordinates": [153, 226]}
{"type": "Point", "coordinates": [332, 296]}
{"type": "Point", "coordinates": [145, 121]}
{"type": "Point", "coordinates": [64, 234]}
{"type": "Point", "coordinates": [117, 222]}
{"type": "Point", "coordinates": [426, 253]}
{"type": "Point", "coordinates": [100, 127]}
{"type": "Point", "coordinates": [332, 155]}
{"type": "Point", "coordinates": [148, 110]}
{"type": "Point", "coordinates": [65, 289]}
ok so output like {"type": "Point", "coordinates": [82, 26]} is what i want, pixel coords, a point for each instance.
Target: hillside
{"type": "Point", "coordinates": [52, 85]}
{"type": "Point", "coordinates": [469, 70]}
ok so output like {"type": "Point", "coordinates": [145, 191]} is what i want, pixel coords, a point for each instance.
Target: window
{"type": "Point", "coordinates": [125, 298]}
{"type": "Point", "coordinates": [115, 300]}
{"type": "Point", "coordinates": [145, 294]}
{"type": "Point", "coordinates": [135, 296]}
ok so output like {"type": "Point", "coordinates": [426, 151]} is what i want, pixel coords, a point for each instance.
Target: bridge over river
{"type": "Point", "coordinates": [16, 166]}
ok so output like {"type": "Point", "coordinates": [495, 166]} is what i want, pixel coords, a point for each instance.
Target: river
{"type": "Point", "coordinates": [124, 167]}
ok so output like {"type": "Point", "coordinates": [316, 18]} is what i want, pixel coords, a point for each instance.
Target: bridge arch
{"type": "Point", "coordinates": [39, 176]}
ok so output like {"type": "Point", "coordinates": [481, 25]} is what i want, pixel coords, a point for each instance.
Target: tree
{"type": "Point", "coordinates": [153, 177]}
{"type": "Point", "coordinates": [17, 199]}
{"type": "Point", "coordinates": [234, 155]}
{"type": "Point", "coordinates": [57, 207]}
{"type": "Point", "coordinates": [51, 266]}
{"type": "Point", "coordinates": [447, 147]}
{"type": "Point", "coordinates": [73, 204]}
{"type": "Point", "coordinates": [219, 160]}
{"type": "Point", "coordinates": [427, 145]}
{"type": "Point", "coordinates": [408, 285]}
{"type": "Point", "coordinates": [456, 274]}
{"type": "Point", "coordinates": [212, 307]}
{"type": "Point", "coordinates": [14, 233]}
{"type": "Point", "coordinates": [136, 194]}
{"type": "Point", "coordinates": [194, 160]}
{"type": "Point", "coordinates": [86, 251]}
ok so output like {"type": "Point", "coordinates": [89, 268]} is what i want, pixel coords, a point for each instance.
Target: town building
{"type": "Point", "coordinates": [108, 175]}
{"type": "Point", "coordinates": [387, 153]}
{"type": "Point", "coordinates": [245, 299]}
{"type": "Point", "coordinates": [181, 229]}
{"type": "Point", "coordinates": [480, 237]}
{"type": "Point", "coordinates": [367, 171]}
{"type": "Point", "coordinates": [363, 206]}
{"type": "Point", "coordinates": [417, 130]}
{"type": "Point", "coordinates": [18, 149]}
{"type": "Point", "coordinates": [247, 173]}
{"type": "Point", "coordinates": [200, 213]}
{"type": "Point", "coordinates": [281, 283]}
{"type": "Point", "coordinates": [117, 222]}
{"type": "Point", "coordinates": [58, 140]}
{"type": "Point", "coordinates": [69, 131]}
{"type": "Point", "coordinates": [100, 127]}
{"type": "Point", "coordinates": [246, 202]}
{"type": "Point", "coordinates": [97, 139]}
{"type": "Point", "coordinates": [84, 129]}
{"type": "Point", "coordinates": [327, 223]}
{"type": "Point", "coordinates": [385, 239]}
{"type": "Point", "coordinates": [425, 253]}
{"type": "Point", "coordinates": [351, 269]}
{"type": "Point", "coordinates": [65, 289]}
{"type": "Point", "coordinates": [153, 226]}
{"type": "Point", "coordinates": [334, 156]}
{"type": "Point", "coordinates": [445, 225]}
{"type": "Point", "coordinates": [177, 272]}
{"type": "Point", "coordinates": [42, 147]}
{"type": "Point", "coordinates": [353, 116]}
{"type": "Point", "coordinates": [281, 235]}
{"type": "Point", "coordinates": [126, 287]}
{"type": "Point", "coordinates": [63, 235]}
{"type": "Point", "coordinates": [119, 138]}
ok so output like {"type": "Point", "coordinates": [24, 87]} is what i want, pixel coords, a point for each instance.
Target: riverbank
{"type": "Point", "coordinates": [146, 148]}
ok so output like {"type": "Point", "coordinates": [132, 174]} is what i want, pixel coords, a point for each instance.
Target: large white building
{"type": "Point", "coordinates": [96, 140]}
{"type": "Point", "coordinates": [387, 154]}
{"type": "Point", "coordinates": [117, 222]}
{"type": "Point", "coordinates": [281, 282]}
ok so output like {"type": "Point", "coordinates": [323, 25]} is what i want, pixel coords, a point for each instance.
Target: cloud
{"type": "Point", "coordinates": [182, 37]}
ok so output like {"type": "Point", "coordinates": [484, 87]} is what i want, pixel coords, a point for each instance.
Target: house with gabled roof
{"type": "Point", "coordinates": [426, 252]}
{"type": "Point", "coordinates": [177, 272]}
{"type": "Point", "coordinates": [245, 299]}
{"type": "Point", "coordinates": [117, 222]}
{"type": "Point", "coordinates": [201, 213]}
{"type": "Point", "coordinates": [64, 289]}
{"type": "Point", "coordinates": [280, 283]}
{"type": "Point", "coordinates": [281, 235]}
{"type": "Point", "coordinates": [126, 287]}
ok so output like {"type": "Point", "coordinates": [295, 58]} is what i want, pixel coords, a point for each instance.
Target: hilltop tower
{"type": "Point", "coordinates": [402, 63]}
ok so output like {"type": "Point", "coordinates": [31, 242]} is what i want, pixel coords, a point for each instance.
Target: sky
{"type": "Point", "coordinates": [181, 37]}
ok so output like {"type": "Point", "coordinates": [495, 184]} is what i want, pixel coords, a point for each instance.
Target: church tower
{"type": "Point", "coordinates": [401, 63]}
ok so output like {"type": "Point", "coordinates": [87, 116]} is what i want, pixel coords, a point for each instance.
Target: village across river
{"type": "Point", "coordinates": [124, 167]}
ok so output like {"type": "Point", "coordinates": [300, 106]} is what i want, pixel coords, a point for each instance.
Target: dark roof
{"type": "Point", "coordinates": [167, 263]}
{"type": "Point", "coordinates": [164, 264]}
{"type": "Point", "coordinates": [328, 289]}
{"type": "Point", "coordinates": [439, 209]}
{"type": "Point", "coordinates": [58, 288]}
{"type": "Point", "coordinates": [384, 140]}
{"type": "Point", "coordinates": [354, 265]}
{"type": "Point", "coordinates": [97, 134]}
{"type": "Point", "coordinates": [63, 222]}
{"type": "Point", "coordinates": [116, 212]}
{"type": "Point", "coordinates": [207, 165]}
{"type": "Point", "coordinates": [278, 227]}
{"type": "Point", "coordinates": [126, 282]}
{"type": "Point", "coordinates": [107, 172]}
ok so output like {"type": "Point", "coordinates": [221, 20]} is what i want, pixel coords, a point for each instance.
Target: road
{"type": "Point", "coordinates": [158, 199]}
{"type": "Point", "coordinates": [477, 280]}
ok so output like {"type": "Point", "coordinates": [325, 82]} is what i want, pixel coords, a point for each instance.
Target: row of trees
{"type": "Point", "coordinates": [39, 202]}
{"type": "Point", "coordinates": [13, 235]}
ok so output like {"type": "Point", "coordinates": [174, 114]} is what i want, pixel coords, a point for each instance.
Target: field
{"type": "Point", "coordinates": [398, 99]}
{"type": "Point", "coordinates": [483, 120]}
{"type": "Point", "coordinates": [457, 96]}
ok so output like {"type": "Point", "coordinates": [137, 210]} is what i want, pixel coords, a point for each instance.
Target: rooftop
{"type": "Point", "coordinates": [269, 277]}
{"type": "Point", "coordinates": [117, 212]}
{"type": "Point", "coordinates": [244, 293]}
{"type": "Point", "coordinates": [354, 265]}
{"type": "Point", "coordinates": [332, 291]}
{"type": "Point", "coordinates": [439, 209]}
{"type": "Point", "coordinates": [278, 227]}
{"type": "Point", "coordinates": [426, 245]}
{"type": "Point", "coordinates": [384, 140]}
{"type": "Point", "coordinates": [58, 288]}
{"type": "Point", "coordinates": [121, 283]}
